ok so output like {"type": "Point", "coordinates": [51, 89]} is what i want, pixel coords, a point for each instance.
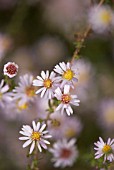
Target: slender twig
{"type": "Point", "coordinates": [84, 36]}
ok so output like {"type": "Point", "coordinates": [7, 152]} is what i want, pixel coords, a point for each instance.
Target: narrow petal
{"type": "Point", "coordinates": [28, 142]}
{"type": "Point", "coordinates": [32, 147]}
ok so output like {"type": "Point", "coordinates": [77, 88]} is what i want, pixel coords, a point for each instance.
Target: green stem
{"type": "Point", "coordinates": [34, 164]}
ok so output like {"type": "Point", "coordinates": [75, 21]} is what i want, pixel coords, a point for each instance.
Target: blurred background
{"type": "Point", "coordinates": [37, 35]}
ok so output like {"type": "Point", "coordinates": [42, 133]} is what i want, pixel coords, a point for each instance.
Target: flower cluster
{"type": "Point", "coordinates": [59, 86]}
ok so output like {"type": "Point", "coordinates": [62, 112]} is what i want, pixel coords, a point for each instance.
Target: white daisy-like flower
{"type": "Point", "coordinates": [25, 91]}
{"type": "Point", "coordinates": [35, 136]}
{"type": "Point", "coordinates": [105, 149]}
{"type": "Point", "coordinates": [64, 153]}
{"type": "Point", "coordinates": [47, 83]}
{"type": "Point", "coordinates": [5, 96]}
{"type": "Point", "coordinates": [101, 18]}
{"type": "Point", "coordinates": [66, 99]}
{"type": "Point", "coordinates": [10, 69]}
{"type": "Point", "coordinates": [68, 74]}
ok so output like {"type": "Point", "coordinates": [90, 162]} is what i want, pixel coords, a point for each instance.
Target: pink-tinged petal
{"type": "Point", "coordinates": [45, 141]}
{"type": "Point", "coordinates": [39, 78]}
{"type": "Point", "coordinates": [59, 107]}
{"type": "Point", "coordinates": [63, 66]}
{"type": "Point", "coordinates": [43, 75]}
{"type": "Point", "coordinates": [38, 126]}
{"type": "Point", "coordinates": [43, 92]}
{"type": "Point", "coordinates": [52, 75]}
{"type": "Point", "coordinates": [47, 136]}
{"type": "Point", "coordinates": [28, 142]}
{"type": "Point", "coordinates": [42, 128]}
{"type": "Point", "coordinates": [39, 147]}
{"type": "Point", "coordinates": [66, 89]}
{"type": "Point", "coordinates": [108, 142]}
{"type": "Point", "coordinates": [47, 74]}
{"type": "Point", "coordinates": [43, 145]}
{"type": "Point", "coordinates": [41, 89]}
{"type": "Point", "coordinates": [24, 138]}
{"type": "Point", "coordinates": [37, 83]}
{"type": "Point", "coordinates": [32, 147]}
{"type": "Point", "coordinates": [34, 125]}
{"type": "Point", "coordinates": [58, 91]}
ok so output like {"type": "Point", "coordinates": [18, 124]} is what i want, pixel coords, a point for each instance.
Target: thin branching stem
{"type": "Point", "coordinates": [84, 36]}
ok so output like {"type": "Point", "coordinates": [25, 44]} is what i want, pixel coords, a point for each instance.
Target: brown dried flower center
{"type": "Point", "coordinates": [65, 153]}
{"type": "Point", "coordinates": [11, 69]}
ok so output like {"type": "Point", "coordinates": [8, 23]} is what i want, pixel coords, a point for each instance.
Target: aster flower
{"type": "Point", "coordinates": [68, 73]}
{"type": "Point", "coordinates": [106, 110]}
{"type": "Point", "coordinates": [47, 83]}
{"type": "Point", "coordinates": [66, 99]}
{"type": "Point", "coordinates": [73, 127]}
{"type": "Point", "coordinates": [10, 69]}
{"type": "Point", "coordinates": [105, 149]}
{"type": "Point", "coordinates": [25, 91]}
{"type": "Point", "coordinates": [57, 124]}
{"type": "Point", "coordinates": [35, 136]}
{"type": "Point", "coordinates": [64, 153]}
{"type": "Point", "coordinates": [5, 96]}
{"type": "Point", "coordinates": [101, 18]}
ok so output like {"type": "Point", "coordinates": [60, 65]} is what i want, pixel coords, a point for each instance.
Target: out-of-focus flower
{"type": "Point", "coordinates": [64, 153]}
{"type": "Point", "coordinates": [35, 136]}
{"type": "Point", "coordinates": [68, 126]}
{"type": "Point", "coordinates": [49, 49]}
{"type": "Point", "coordinates": [25, 91]}
{"type": "Point", "coordinates": [85, 86]}
{"type": "Point", "coordinates": [86, 72]}
{"type": "Point", "coordinates": [5, 44]}
{"type": "Point", "coordinates": [73, 127]}
{"type": "Point", "coordinates": [104, 149]}
{"type": "Point", "coordinates": [10, 69]}
{"type": "Point", "coordinates": [68, 74]}
{"type": "Point", "coordinates": [66, 99]}
{"type": "Point", "coordinates": [57, 124]}
{"type": "Point", "coordinates": [48, 82]}
{"type": "Point", "coordinates": [106, 110]}
{"type": "Point", "coordinates": [101, 18]}
{"type": "Point", "coordinates": [5, 96]}
{"type": "Point", "coordinates": [70, 12]}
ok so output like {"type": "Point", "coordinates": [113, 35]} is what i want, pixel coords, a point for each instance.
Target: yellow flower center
{"type": "Point", "coordinates": [107, 149]}
{"type": "Point", "coordinates": [66, 98]}
{"type": "Point", "coordinates": [36, 135]}
{"type": "Point", "coordinates": [70, 133]}
{"type": "Point", "coordinates": [47, 83]}
{"type": "Point", "coordinates": [106, 17]}
{"type": "Point", "coordinates": [68, 74]}
{"type": "Point", "coordinates": [30, 91]}
{"type": "Point", "coordinates": [55, 123]}
{"type": "Point", "coordinates": [24, 106]}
